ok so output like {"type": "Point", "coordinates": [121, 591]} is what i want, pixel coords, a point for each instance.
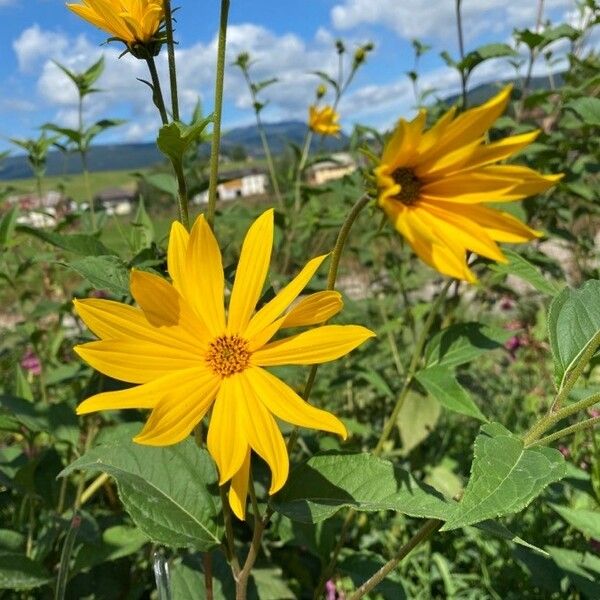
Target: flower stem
{"type": "Point", "coordinates": [461, 49]}
{"type": "Point", "coordinates": [229, 539]}
{"type": "Point", "coordinates": [182, 194]}
{"type": "Point", "coordinates": [428, 529]}
{"type": "Point", "coordinates": [65, 558]}
{"type": "Point", "coordinates": [581, 426]}
{"type": "Point", "coordinates": [171, 55]}
{"type": "Point", "coordinates": [218, 110]}
{"type": "Point", "coordinates": [156, 90]}
{"type": "Point", "coordinates": [93, 488]}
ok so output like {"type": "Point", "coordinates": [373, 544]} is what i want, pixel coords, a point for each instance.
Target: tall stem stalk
{"type": "Point", "coordinates": [461, 50]}
{"type": "Point", "coordinates": [157, 95]}
{"type": "Point", "coordinates": [218, 111]}
{"type": "Point", "coordinates": [171, 56]}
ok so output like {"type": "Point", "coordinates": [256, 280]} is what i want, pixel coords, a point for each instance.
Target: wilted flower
{"type": "Point", "coordinates": [324, 120]}
{"type": "Point", "coordinates": [190, 357]}
{"type": "Point", "coordinates": [433, 186]}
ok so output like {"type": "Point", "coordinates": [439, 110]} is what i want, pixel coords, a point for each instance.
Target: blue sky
{"type": "Point", "coordinates": [288, 40]}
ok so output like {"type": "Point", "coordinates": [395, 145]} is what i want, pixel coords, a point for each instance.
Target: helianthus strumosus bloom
{"type": "Point", "coordinates": [188, 355]}
{"type": "Point", "coordinates": [132, 21]}
{"type": "Point", "coordinates": [324, 120]}
{"type": "Point", "coordinates": [433, 186]}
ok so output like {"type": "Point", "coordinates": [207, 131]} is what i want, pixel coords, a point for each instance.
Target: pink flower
{"type": "Point", "coordinates": [31, 363]}
{"type": "Point", "coordinates": [594, 412]}
{"type": "Point", "coordinates": [564, 451]}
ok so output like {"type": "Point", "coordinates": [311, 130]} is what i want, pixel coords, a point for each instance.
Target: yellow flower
{"type": "Point", "coordinates": [132, 21]}
{"type": "Point", "coordinates": [324, 120]}
{"type": "Point", "coordinates": [188, 356]}
{"type": "Point", "coordinates": [433, 185]}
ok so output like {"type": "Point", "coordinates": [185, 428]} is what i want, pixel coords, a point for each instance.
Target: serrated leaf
{"type": "Point", "coordinates": [586, 521]}
{"type": "Point", "coordinates": [142, 232]}
{"type": "Point", "coordinates": [459, 344]}
{"type": "Point", "coordinates": [522, 268]}
{"type": "Point", "coordinates": [175, 138]}
{"type": "Point", "coordinates": [170, 493]}
{"type": "Point", "coordinates": [588, 109]}
{"type": "Point", "coordinates": [483, 53]}
{"type": "Point", "coordinates": [104, 273]}
{"type": "Point", "coordinates": [17, 572]}
{"type": "Point", "coordinates": [573, 322]}
{"type": "Point", "coordinates": [78, 243]}
{"type": "Point", "coordinates": [318, 488]}
{"type": "Point", "coordinates": [441, 383]}
{"type": "Point", "coordinates": [505, 476]}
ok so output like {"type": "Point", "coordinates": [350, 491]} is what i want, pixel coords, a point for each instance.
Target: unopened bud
{"type": "Point", "coordinates": [321, 91]}
{"type": "Point", "coordinates": [339, 46]}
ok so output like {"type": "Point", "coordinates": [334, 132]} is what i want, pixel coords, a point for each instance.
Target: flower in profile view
{"type": "Point", "coordinates": [434, 184]}
{"type": "Point", "coordinates": [189, 356]}
{"type": "Point", "coordinates": [134, 22]}
{"type": "Point", "coordinates": [324, 121]}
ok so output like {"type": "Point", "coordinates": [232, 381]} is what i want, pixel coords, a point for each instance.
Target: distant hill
{"type": "Point", "coordinates": [113, 157]}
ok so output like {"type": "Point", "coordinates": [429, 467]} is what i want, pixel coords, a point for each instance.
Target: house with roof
{"type": "Point", "coordinates": [240, 183]}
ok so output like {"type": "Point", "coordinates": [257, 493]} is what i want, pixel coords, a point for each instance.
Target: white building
{"type": "Point", "coordinates": [339, 165]}
{"type": "Point", "coordinates": [237, 184]}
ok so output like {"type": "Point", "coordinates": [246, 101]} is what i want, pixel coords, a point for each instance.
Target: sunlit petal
{"type": "Point", "coordinates": [238, 491]}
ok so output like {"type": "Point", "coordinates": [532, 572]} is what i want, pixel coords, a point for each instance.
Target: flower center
{"type": "Point", "coordinates": [227, 355]}
{"type": "Point", "coordinates": [409, 184]}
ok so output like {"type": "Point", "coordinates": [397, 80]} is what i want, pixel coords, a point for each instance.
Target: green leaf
{"type": "Point", "coordinates": [462, 343]}
{"type": "Point", "coordinates": [483, 53]}
{"type": "Point", "coordinates": [17, 572]}
{"type": "Point", "coordinates": [175, 138]}
{"type": "Point", "coordinates": [318, 488]}
{"type": "Point", "coordinates": [583, 569]}
{"type": "Point", "coordinates": [573, 325]}
{"type": "Point", "coordinates": [161, 181]}
{"type": "Point", "coordinates": [11, 541]}
{"type": "Point", "coordinates": [171, 493]}
{"type": "Point", "coordinates": [7, 226]}
{"type": "Point", "coordinates": [142, 232]}
{"type": "Point", "coordinates": [588, 109]}
{"type": "Point", "coordinates": [78, 243]}
{"type": "Point", "coordinates": [441, 383]}
{"type": "Point", "coordinates": [522, 268]}
{"type": "Point", "coordinates": [270, 585]}
{"type": "Point", "coordinates": [586, 521]}
{"type": "Point", "coordinates": [418, 417]}
{"type": "Point", "coordinates": [505, 476]}
{"type": "Point", "coordinates": [104, 273]}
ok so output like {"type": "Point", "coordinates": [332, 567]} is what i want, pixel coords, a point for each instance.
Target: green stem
{"type": "Point", "coordinates": [229, 539]}
{"type": "Point", "coordinates": [157, 95]}
{"type": "Point", "coordinates": [65, 558]}
{"type": "Point", "coordinates": [301, 165]}
{"type": "Point", "coordinates": [171, 55]}
{"type": "Point", "coordinates": [582, 426]}
{"type": "Point", "coordinates": [216, 136]}
{"type": "Point", "coordinates": [461, 49]}
{"type": "Point", "coordinates": [428, 529]}
{"type": "Point", "coordinates": [88, 191]}
{"type": "Point", "coordinates": [182, 194]}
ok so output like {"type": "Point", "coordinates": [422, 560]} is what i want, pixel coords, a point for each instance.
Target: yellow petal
{"type": "Point", "coordinates": [226, 440]}
{"type": "Point", "coordinates": [180, 410]}
{"type": "Point", "coordinates": [318, 345]}
{"type": "Point", "coordinates": [251, 272]}
{"type": "Point", "coordinates": [205, 277]}
{"type": "Point", "coordinates": [314, 309]}
{"type": "Point", "coordinates": [407, 142]}
{"type": "Point", "coordinates": [146, 395]}
{"type": "Point", "coordinates": [274, 308]}
{"type": "Point", "coordinates": [135, 361]}
{"type": "Point", "coordinates": [238, 491]}
{"type": "Point", "coordinates": [286, 405]}
{"type": "Point", "coordinates": [262, 432]}
{"type": "Point", "coordinates": [432, 136]}
{"type": "Point", "coordinates": [502, 226]}
{"type": "Point", "coordinates": [470, 187]}
{"type": "Point", "coordinates": [447, 163]}
{"type": "Point", "coordinates": [176, 255]}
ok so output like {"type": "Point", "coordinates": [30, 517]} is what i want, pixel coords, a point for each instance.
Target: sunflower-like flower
{"type": "Point", "coordinates": [189, 356]}
{"type": "Point", "coordinates": [324, 121]}
{"type": "Point", "coordinates": [134, 22]}
{"type": "Point", "coordinates": [433, 186]}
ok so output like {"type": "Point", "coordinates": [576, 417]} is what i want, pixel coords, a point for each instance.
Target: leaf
{"type": "Point", "coordinates": [522, 268]}
{"type": "Point", "coordinates": [586, 521]}
{"type": "Point", "coordinates": [318, 488]}
{"type": "Point", "coordinates": [11, 541]}
{"type": "Point", "coordinates": [171, 493]}
{"type": "Point", "coordinates": [175, 138]}
{"type": "Point", "coordinates": [505, 476]}
{"type": "Point", "coordinates": [7, 226]}
{"type": "Point", "coordinates": [573, 323]}
{"type": "Point", "coordinates": [142, 232]}
{"type": "Point", "coordinates": [583, 569]}
{"type": "Point", "coordinates": [78, 243]}
{"type": "Point", "coordinates": [587, 108]}
{"type": "Point", "coordinates": [417, 419]}
{"type": "Point", "coordinates": [104, 273]}
{"type": "Point", "coordinates": [187, 579]}
{"type": "Point", "coordinates": [361, 566]}
{"type": "Point", "coordinates": [270, 585]}
{"type": "Point", "coordinates": [441, 383]}
{"type": "Point", "coordinates": [17, 572]}
{"type": "Point", "coordinates": [162, 181]}
{"type": "Point", "coordinates": [483, 53]}
{"type": "Point", "coordinates": [462, 343]}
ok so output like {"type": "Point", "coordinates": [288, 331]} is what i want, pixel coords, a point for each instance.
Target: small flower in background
{"type": "Point", "coordinates": [98, 294]}
{"type": "Point", "coordinates": [31, 363]}
{"type": "Point", "coordinates": [332, 591]}
{"type": "Point", "coordinates": [134, 22]}
{"type": "Point", "coordinates": [433, 185]}
{"type": "Point", "coordinates": [594, 412]}
{"type": "Point", "coordinates": [513, 344]}
{"type": "Point", "coordinates": [564, 451]}
{"type": "Point", "coordinates": [324, 120]}
{"type": "Point", "coordinates": [507, 303]}
{"type": "Point", "coordinates": [189, 357]}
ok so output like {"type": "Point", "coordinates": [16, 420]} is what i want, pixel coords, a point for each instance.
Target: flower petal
{"type": "Point", "coordinates": [318, 345]}
{"type": "Point", "coordinates": [251, 272]}
{"type": "Point", "coordinates": [180, 410]}
{"type": "Point", "coordinates": [263, 433]}
{"type": "Point", "coordinates": [314, 309]}
{"type": "Point", "coordinates": [288, 406]}
{"type": "Point", "coordinates": [176, 256]}
{"type": "Point", "coordinates": [502, 226]}
{"type": "Point", "coordinates": [238, 491]}
{"type": "Point", "coordinates": [273, 309]}
{"type": "Point", "coordinates": [135, 361]}
{"type": "Point", "coordinates": [205, 277]}
{"type": "Point", "coordinates": [227, 441]}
